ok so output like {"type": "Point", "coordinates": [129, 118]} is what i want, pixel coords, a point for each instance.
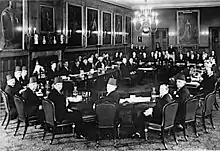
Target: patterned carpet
{"type": "Point", "coordinates": [65, 142]}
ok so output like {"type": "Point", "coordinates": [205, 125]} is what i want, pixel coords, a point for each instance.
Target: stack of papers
{"type": "Point", "coordinates": [78, 98]}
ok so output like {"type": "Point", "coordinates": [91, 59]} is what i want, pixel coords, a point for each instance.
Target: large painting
{"type": "Point", "coordinates": [118, 29]}
{"type": "Point", "coordinates": [92, 26]}
{"type": "Point", "coordinates": [11, 24]}
{"type": "Point", "coordinates": [106, 27]}
{"type": "Point", "coordinates": [128, 30]}
{"type": "Point", "coordinates": [74, 25]}
{"type": "Point", "coordinates": [47, 18]}
{"type": "Point", "coordinates": [188, 26]}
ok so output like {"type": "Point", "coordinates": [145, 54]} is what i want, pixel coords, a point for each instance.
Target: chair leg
{"type": "Point", "coordinates": [25, 129]}
{"type": "Point", "coordinates": [114, 136]}
{"type": "Point", "coordinates": [174, 135]}
{"type": "Point", "coordinates": [162, 136]}
{"type": "Point", "coordinates": [216, 105]}
{"type": "Point", "coordinates": [211, 121]}
{"type": "Point", "coordinates": [184, 131]}
{"type": "Point", "coordinates": [203, 122]}
{"type": "Point", "coordinates": [45, 131]}
{"type": "Point", "coordinates": [53, 135]}
{"type": "Point", "coordinates": [8, 120]}
{"type": "Point", "coordinates": [194, 127]}
{"type": "Point", "coordinates": [4, 118]}
{"type": "Point", "coordinates": [18, 124]}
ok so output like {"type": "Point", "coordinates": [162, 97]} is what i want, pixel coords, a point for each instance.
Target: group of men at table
{"type": "Point", "coordinates": [33, 105]}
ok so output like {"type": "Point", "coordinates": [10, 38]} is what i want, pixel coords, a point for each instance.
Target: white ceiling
{"type": "Point", "coordinates": [135, 4]}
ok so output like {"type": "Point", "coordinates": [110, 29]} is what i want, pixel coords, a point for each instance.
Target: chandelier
{"type": "Point", "coordinates": [146, 20]}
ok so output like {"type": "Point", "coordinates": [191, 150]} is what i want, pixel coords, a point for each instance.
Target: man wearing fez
{"type": "Point", "coordinates": [181, 95]}
{"type": "Point", "coordinates": [33, 105]}
{"type": "Point", "coordinates": [10, 91]}
{"type": "Point", "coordinates": [24, 76]}
{"type": "Point", "coordinates": [155, 114]}
{"type": "Point", "coordinates": [112, 95]}
{"type": "Point", "coordinates": [62, 113]}
{"type": "Point", "coordinates": [17, 75]}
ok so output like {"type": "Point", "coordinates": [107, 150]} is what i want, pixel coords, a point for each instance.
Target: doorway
{"type": "Point", "coordinates": [214, 38]}
{"type": "Point", "coordinates": [160, 36]}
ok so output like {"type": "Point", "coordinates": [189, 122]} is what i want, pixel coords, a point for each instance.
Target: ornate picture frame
{"type": "Point", "coordinates": [47, 22]}
{"type": "Point", "coordinates": [128, 30]}
{"type": "Point", "coordinates": [118, 20]}
{"type": "Point", "coordinates": [188, 27]}
{"type": "Point", "coordinates": [92, 26]}
{"type": "Point", "coordinates": [74, 24]}
{"type": "Point", "coordinates": [106, 28]}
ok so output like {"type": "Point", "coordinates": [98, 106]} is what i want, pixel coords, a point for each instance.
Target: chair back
{"type": "Point", "coordinates": [106, 115]}
{"type": "Point", "coordinates": [49, 111]}
{"type": "Point", "coordinates": [5, 100]}
{"type": "Point", "coordinates": [190, 107]}
{"type": "Point", "coordinates": [217, 85]}
{"type": "Point", "coordinates": [209, 102]}
{"type": "Point", "coordinates": [169, 114]}
{"type": "Point", "coordinates": [19, 103]}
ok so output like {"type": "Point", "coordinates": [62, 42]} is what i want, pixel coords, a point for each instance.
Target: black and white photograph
{"type": "Point", "coordinates": [109, 75]}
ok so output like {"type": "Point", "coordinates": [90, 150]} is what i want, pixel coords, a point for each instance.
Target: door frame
{"type": "Point", "coordinates": [210, 36]}
{"type": "Point", "coordinates": [153, 44]}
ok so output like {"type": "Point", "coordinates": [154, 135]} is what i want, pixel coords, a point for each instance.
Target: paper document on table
{"type": "Point", "coordinates": [146, 69]}
{"type": "Point", "coordinates": [148, 112]}
{"type": "Point", "coordinates": [193, 83]}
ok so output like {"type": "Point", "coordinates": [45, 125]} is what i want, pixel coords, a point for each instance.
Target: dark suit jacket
{"type": "Point", "coordinates": [157, 110]}
{"type": "Point", "coordinates": [17, 86]}
{"type": "Point", "coordinates": [86, 68]}
{"type": "Point", "coordinates": [112, 97]}
{"type": "Point", "coordinates": [32, 102]}
{"type": "Point", "coordinates": [64, 71]}
{"type": "Point", "coordinates": [59, 103]}
{"type": "Point", "coordinates": [181, 96]}
{"type": "Point", "coordinates": [52, 74]}
{"type": "Point", "coordinates": [208, 83]}
{"type": "Point", "coordinates": [24, 81]}
{"type": "Point", "coordinates": [131, 67]}
{"type": "Point", "coordinates": [10, 91]}
{"type": "Point", "coordinates": [124, 70]}
{"type": "Point", "coordinates": [75, 69]}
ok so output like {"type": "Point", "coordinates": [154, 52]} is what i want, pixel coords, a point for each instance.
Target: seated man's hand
{"type": "Point", "coordinates": [40, 107]}
{"type": "Point", "coordinates": [69, 110]}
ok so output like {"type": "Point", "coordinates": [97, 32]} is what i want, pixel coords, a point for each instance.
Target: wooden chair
{"type": "Point", "coordinates": [168, 117]}
{"type": "Point", "coordinates": [190, 107]}
{"type": "Point", "coordinates": [7, 108]}
{"type": "Point", "coordinates": [22, 116]}
{"type": "Point", "coordinates": [207, 108]}
{"type": "Point", "coordinates": [106, 118]}
{"type": "Point", "coordinates": [215, 91]}
{"type": "Point", "coordinates": [50, 120]}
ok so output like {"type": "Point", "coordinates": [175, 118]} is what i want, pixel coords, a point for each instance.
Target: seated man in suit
{"type": "Point", "coordinates": [181, 95]}
{"type": "Point", "coordinates": [75, 67]}
{"type": "Point", "coordinates": [127, 71]}
{"type": "Point", "coordinates": [24, 76]}
{"type": "Point", "coordinates": [62, 113]}
{"type": "Point", "coordinates": [208, 79]}
{"type": "Point", "coordinates": [155, 117]}
{"type": "Point", "coordinates": [100, 63]}
{"type": "Point", "coordinates": [65, 70]}
{"type": "Point", "coordinates": [52, 71]}
{"type": "Point", "coordinates": [33, 105]}
{"type": "Point", "coordinates": [11, 91]}
{"type": "Point", "coordinates": [112, 95]}
{"type": "Point", "coordinates": [85, 65]}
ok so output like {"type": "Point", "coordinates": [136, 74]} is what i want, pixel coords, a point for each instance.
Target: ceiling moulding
{"type": "Point", "coordinates": [119, 3]}
{"type": "Point", "coordinates": [179, 4]}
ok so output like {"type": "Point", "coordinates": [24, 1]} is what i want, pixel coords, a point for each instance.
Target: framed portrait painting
{"type": "Point", "coordinates": [188, 27]}
{"type": "Point", "coordinates": [47, 18]}
{"type": "Point", "coordinates": [92, 16]}
{"type": "Point", "coordinates": [118, 29]}
{"type": "Point", "coordinates": [128, 30]}
{"type": "Point", "coordinates": [107, 28]}
{"type": "Point", "coordinates": [74, 25]}
{"type": "Point", "coordinates": [11, 25]}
